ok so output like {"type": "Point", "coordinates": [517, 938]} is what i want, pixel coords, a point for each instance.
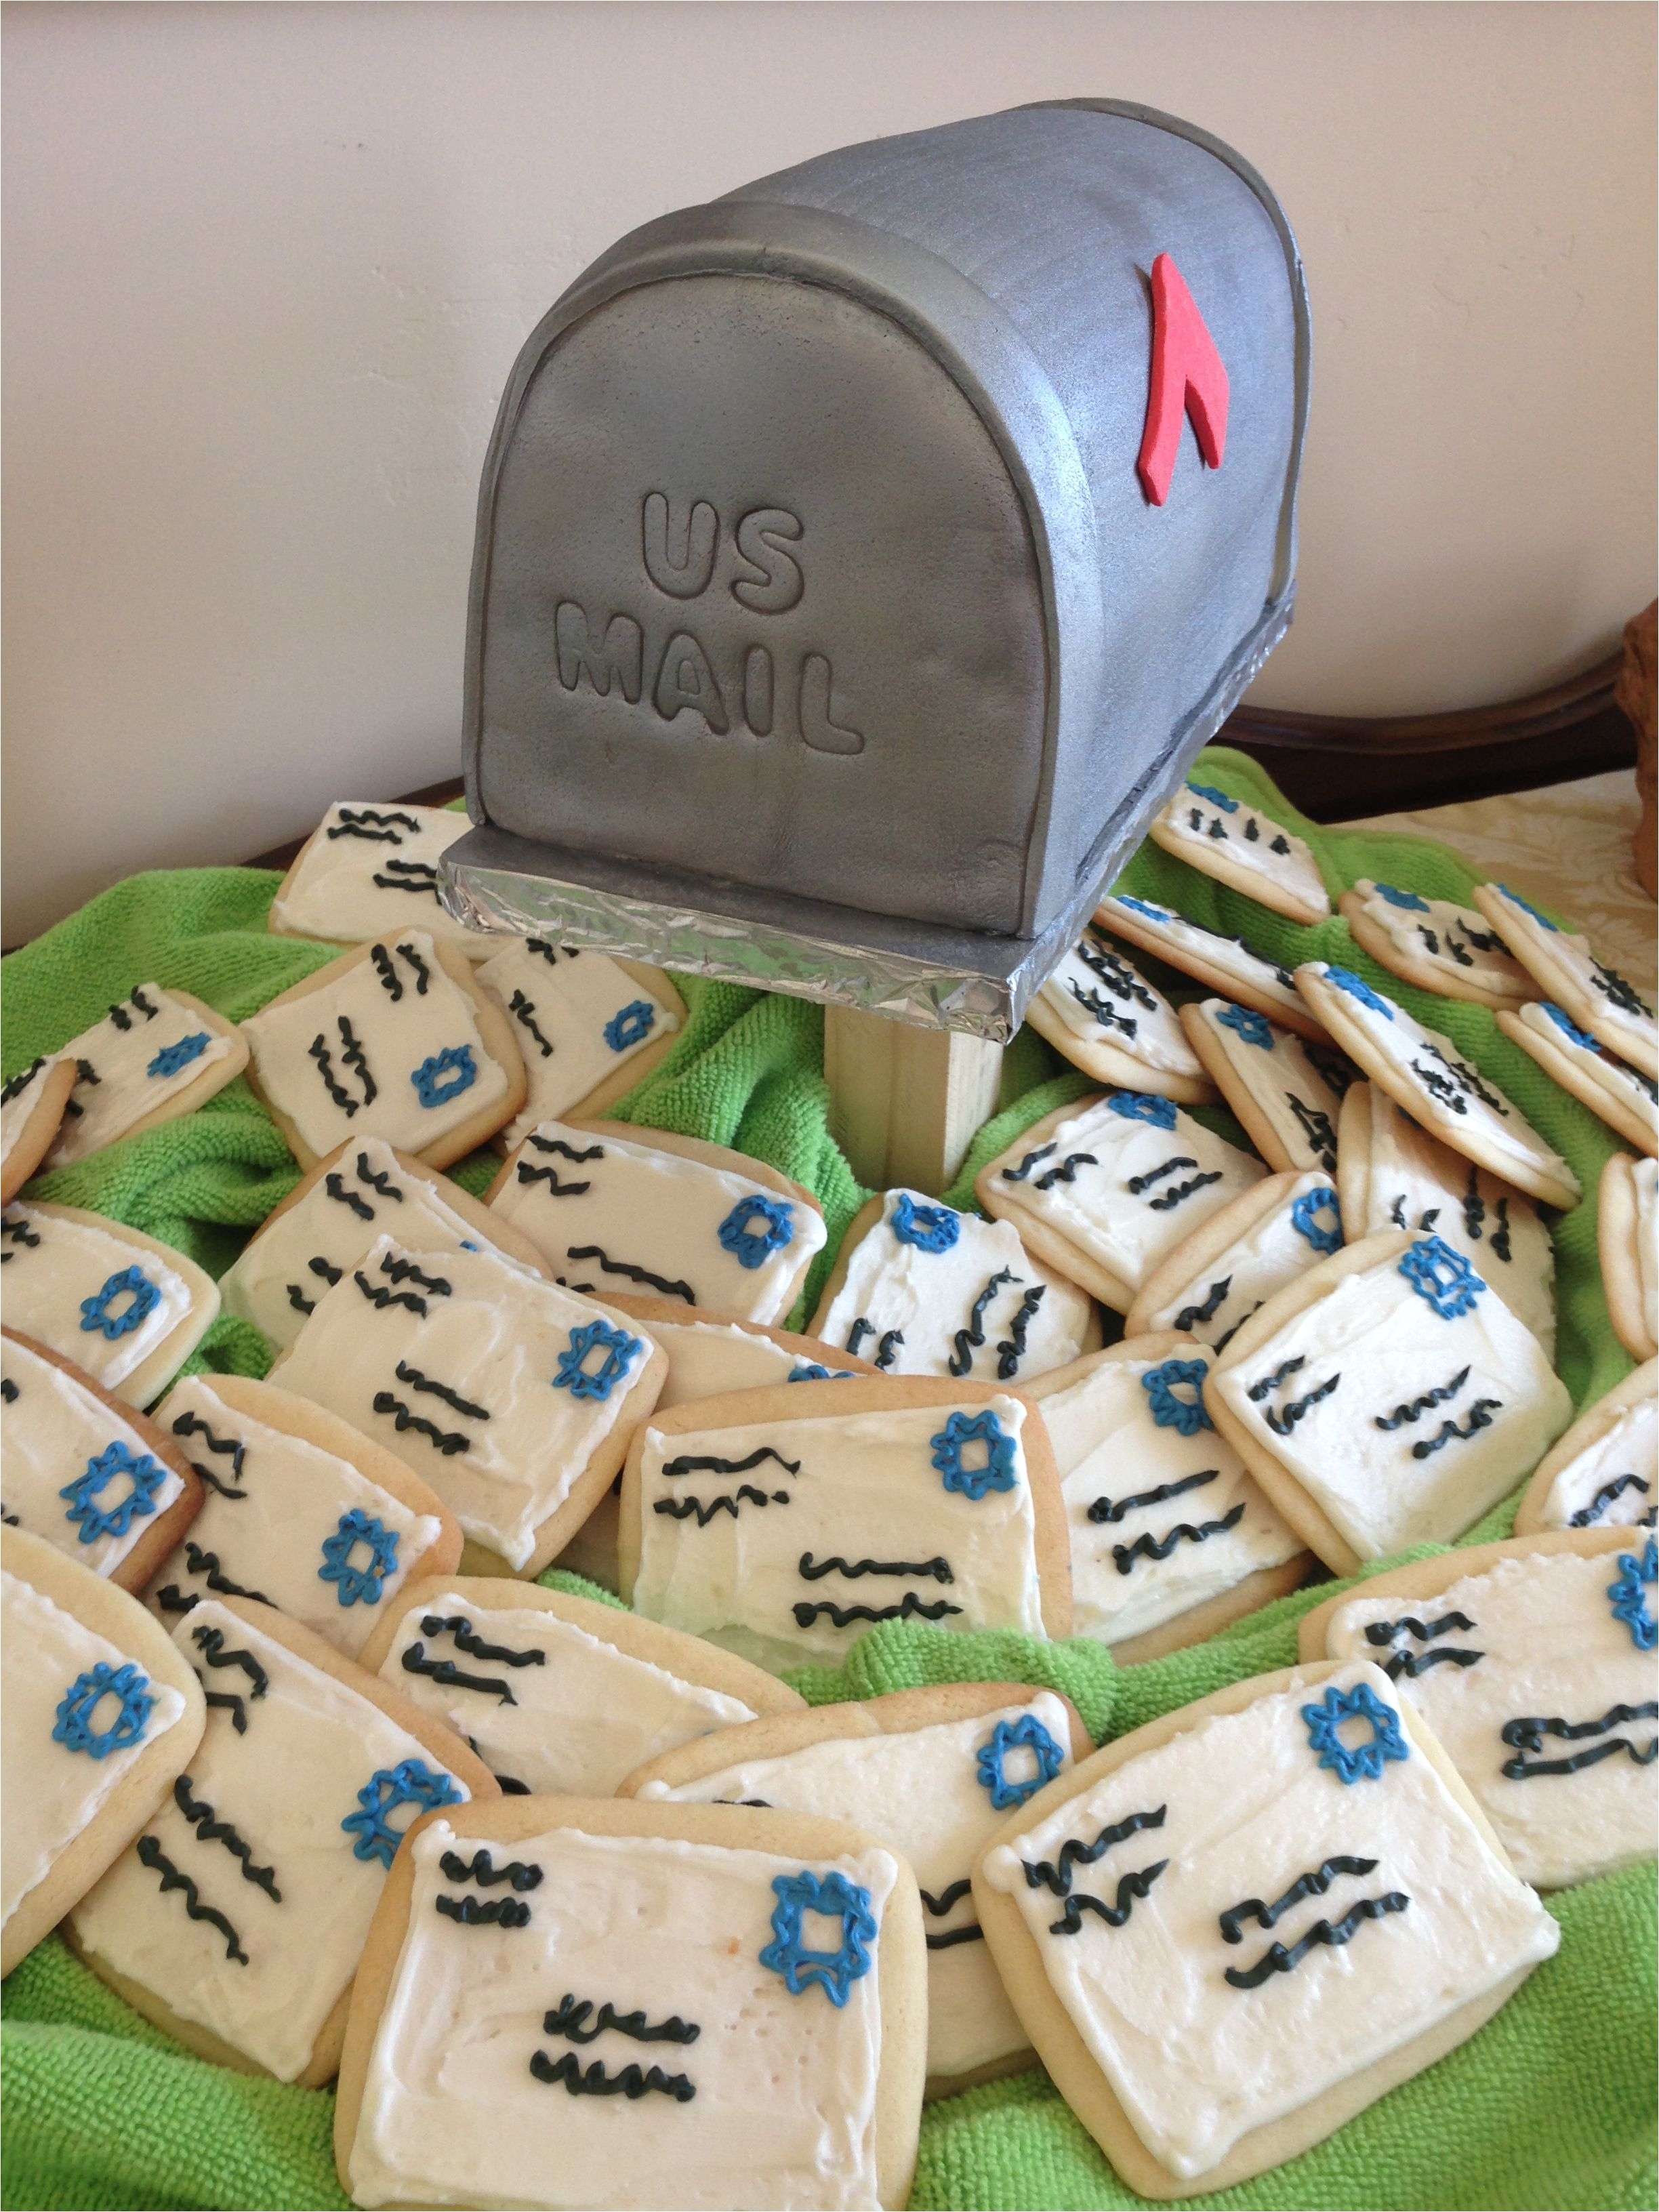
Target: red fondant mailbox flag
{"type": "Point", "coordinates": [1188, 378]}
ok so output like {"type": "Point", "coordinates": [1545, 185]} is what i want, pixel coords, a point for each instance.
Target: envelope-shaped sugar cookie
{"type": "Point", "coordinates": [1286, 1100]}
{"type": "Point", "coordinates": [1434, 943]}
{"type": "Point", "coordinates": [1566, 969]}
{"type": "Point", "coordinates": [1100, 1011]}
{"type": "Point", "coordinates": [1224, 837]}
{"type": "Point", "coordinates": [1225, 963]}
{"type": "Point", "coordinates": [1627, 1239]}
{"type": "Point", "coordinates": [1621, 1095]}
{"type": "Point", "coordinates": [154, 1055]}
{"type": "Point", "coordinates": [1214, 1279]}
{"type": "Point", "coordinates": [781, 1523]}
{"type": "Point", "coordinates": [367, 868]}
{"type": "Point", "coordinates": [590, 1027]}
{"type": "Point", "coordinates": [1604, 1473]}
{"type": "Point", "coordinates": [1234, 1929]}
{"type": "Point", "coordinates": [1533, 1662]}
{"type": "Point", "coordinates": [126, 1308]}
{"type": "Point", "coordinates": [32, 1106]}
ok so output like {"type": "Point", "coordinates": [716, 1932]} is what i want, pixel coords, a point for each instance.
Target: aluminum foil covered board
{"type": "Point", "coordinates": [823, 631]}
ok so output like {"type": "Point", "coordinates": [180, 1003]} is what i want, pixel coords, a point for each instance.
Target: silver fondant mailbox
{"type": "Point", "coordinates": [828, 628]}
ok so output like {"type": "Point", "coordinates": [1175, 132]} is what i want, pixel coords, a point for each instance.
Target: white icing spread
{"type": "Point", "coordinates": [1128, 1231]}
{"type": "Point", "coordinates": [920, 1792]}
{"type": "Point", "coordinates": [1389, 1347]}
{"type": "Point", "coordinates": [706, 1357]}
{"type": "Point", "coordinates": [1605, 1075]}
{"type": "Point", "coordinates": [1629, 1446]}
{"type": "Point", "coordinates": [1644, 1175]}
{"type": "Point", "coordinates": [1104, 998]}
{"type": "Point", "coordinates": [14, 1111]}
{"type": "Point", "coordinates": [1550, 1647]}
{"type": "Point", "coordinates": [1229, 956]}
{"type": "Point", "coordinates": [1270, 1253]}
{"type": "Point", "coordinates": [1109, 1448]}
{"type": "Point", "coordinates": [496, 1337]}
{"type": "Point", "coordinates": [1451, 940]}
{"type": "Point", "coordinates": [120, 1082]}
{"type": "Point", "coordinates": [53, 1430]}
{"type": "Point", "coordinates": [285, 1784]}
{"type": "Point", "coordinates": [917, 1303]}
{"type": "Point", "coordinates": [52, 1792]}
{"type": "Point", "coordinates": [1281, 1076]}
{"type": "Point", "coordinates": [401, 1039]}
{"type": "Point", "coordinates": [1196, 2062]}
{"type": "Point", "coordinates": [654, 1212]}
{"type": "Point", "coordinates": [333, 893]}
{"type": "Point", "coordinates": [1633, 1031]}
{"type": "Point", "coordinates": [1249, 839]}
{"type": "Point", "coordinates": [579, 1722]}
{"type": "Point", "coordinates": [562, 1002]}
{"type": "Point", "coordinates": [47, 1282]}
{"type": "Point", "coordinates": [265, 1529]}
{"type": "Point", "coordinates": [867, 1486]}
{"type": "Point", "coordinates": [784, 2110]}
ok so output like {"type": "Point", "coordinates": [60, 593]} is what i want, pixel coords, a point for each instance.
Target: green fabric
{"type": "Point", "coordinates": [1552, 2105]}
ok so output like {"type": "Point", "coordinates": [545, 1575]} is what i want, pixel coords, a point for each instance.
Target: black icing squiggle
{"type": "Point", "coordinates": [1411, 1664]}
{"type": "Point", "coordinates": [526, 1174]}
{"type": "Point", "coordinates": [474, 1912]}
{"type": "Point", "coordinates": [468, 1640]}
{"type": "Point", "coordinates": [151, 1855]}
{"type": "Point", "coordinates": [1604, 1496]}
{"type": "Point", "coordinates": [1178, 1192]}
{"type": "Point", "coordinates": [1066, 1171]}
{"type": "Point", "coordinates": [911, 1608]}
{"type": "Point", "coordinates": [1281, 1421]}
{"type": "Point", "coordinates": [565, 1152]}
{"type": "Point", "coordinates": [1019, 1174]}
{"type": "Point", "coordinates": [212, 1830]}
{"type": "Point", "coordinates": [483, 1869]}
{"type": "Point", "coordinates": [887, 1350]}
{"type": "Point", "coordinates": [1308, 1885]}
{"type": "Point", "coordinates": [700, 1463]}
{"type": "Point", "coordinates": [814, 1571]}
{"type": "Point", "coordinates": [610, 1267]}
{"type": "Point", "coordinates": [1114, 1509]}
{"type": "Point", "coordinates": [571, 2020]}
{"type": "Point", "coordinates": [416, 1381]}
{"type": "Point", "coordinates": [1528, 1735]}
{"type": "Point", "coordinates": [1136, 1184]}
{"type": "Point", "coordinates": [446, 1441]}
{"type": "Point", "coordinates": [211, 1641]}
{"type": "Point", "coordinates": [1269, 1383]}
{"type": "Point", "coordinates": [1147, 1547]}
{"type": "Point", "coordinates": [969, 1340]}
{"type": "Point", "coordinates": [1012, 1349]}
{"type": "Point", "coordinates": [1480, 1418]}
{"type": "Point", "coordinates": [334, 1186]}
{"type": "Point", "coordinates": [446, 1672]}
{"type": "Point", "coordinates": [1419, 1406]}
{"type": "Point", "coordinates": [1276, 1960]}
{"type": "Point", "coordinates": [1130, 1886]}
{"type": "Point", "coordinates": [682, 1508]}
{"type": "Point", "coordinates": [631, 2082]}
{"type": "Point", "coordinates": [1188, 1315]}
{"type": "Point", "coordinates": [1045, 1874]}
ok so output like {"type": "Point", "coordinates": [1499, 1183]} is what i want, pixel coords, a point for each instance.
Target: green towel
{"type": "Point", "coordinates": [1552, 2105]}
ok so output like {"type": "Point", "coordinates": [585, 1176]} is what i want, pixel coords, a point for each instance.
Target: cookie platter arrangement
{"type": "Point", "coordinates": [559, 1650]}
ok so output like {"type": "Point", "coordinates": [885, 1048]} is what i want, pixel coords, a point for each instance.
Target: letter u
{"type": "Point", "coordinates": [679, 561]}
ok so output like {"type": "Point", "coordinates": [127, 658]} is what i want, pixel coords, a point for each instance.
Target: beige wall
{"type": "Point", "coordinates": [267, 269]}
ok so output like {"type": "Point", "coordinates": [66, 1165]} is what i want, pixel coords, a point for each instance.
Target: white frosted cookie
{"type": "Point", "coordinates": [1225, 963]}
{"type": "Point", "coordinates": [86, 1472]}
{"type": "Point", "coordinates": [1388, 1397]}
{"type": "Point", "coordinates": [1234, 1929]}
{"type": "Point", "coordinates": [1099, 1009]}
{"type": "Point", "coordinates": [31, 1104]}
{"type": "Point", "coordinates": [1392, 1175]}
{"type": "Point", "coordinates": [1239, 845]}
{"type": "Point", "coordinates": [781, 1524]}
{"type": "Point", "coordinates": [1215, 1278]}
{"type": "Point", "coordinates": [920, 1289]}
{"type": "Point", "coordinates": [1424, 1073]}
{"type": "Point", "coordinates": [1604, 1472]}
{"type": "Point", "coordinates": [154, 1055]}
{"type": "Point", "coordinates": [99, 1714]}
{"type": "Point", "coordinates": [591, 2002]}
{"type": "Point", "coordinates": [369, 868]}
{"type": "Point", "coordinates": [395, 1039]}
{"type": "Point", "coordinates": [1566, 970]}
{"type": "Point", "coordinates": [1533, 1662]}
{"type": "Point", "coordinates": [1171, 1539]}
{"type": "Point", "coordinates": [302, 1512]}
{"type": "Point", "coordinates": [933, 1773]}
{"type": "Point", "coordinates": [1286, 1100]}
{"type": "Point", "coordinates": [558, 1695]}
{"type": "Point", "coordinates": [237, 1919]}
{"type": "Point", "coordinates": [323, 1227]}
{"type": "Point", "coordinates": [611, 1208]}
{"type": "Point", "coordinates": [126, 1307]}
{"type": "Point", "coordinates": [589, 1027]}
{"type": "Point", "coordinates": [1105, 1189]}
{"type": "Point", "coordinates": [513, 1397]}
{"type": "Point", "coordinates": [1436, 944]}
{"type": "Point", "coordinates": [1627, 1237]}
{"type": "Point", "coordinates": [1618, 1094]}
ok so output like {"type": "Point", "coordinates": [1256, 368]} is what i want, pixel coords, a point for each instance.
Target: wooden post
{"type": "Point", "coordinates": [907, 1101]}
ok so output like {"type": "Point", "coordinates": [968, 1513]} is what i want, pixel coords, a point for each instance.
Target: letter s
{"type": "Point", "coordinates": [775, 581]}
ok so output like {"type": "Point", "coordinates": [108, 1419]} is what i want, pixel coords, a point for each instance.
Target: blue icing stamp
{"type": "Point", "coordinates": [1361, 1762]}
{"type": "Point", "coordinates": [1026, 1734]}
{"type": "Point", "coordinates": [1316, 1215]}
{"type": "Point", "coordinates": [995, 1472]}
{"type": "Point", "coordinates": [173, 1057]}
{"type": "Point", "coordinates": [131, 1689]}
{"type": "Point", "coordinates": [929, 1228]}
{"type": "Point", "coordinates": [1568, 1027]}
{"type": "Point", "coordinates": [1408, 901]}
{"type": "Point", "coordinates": [446, 1075]}
{"type": "Point", "coordinates": [755, 1228]}
{"type": "Point", "coordinates": [1526, 907]}
{"type": "Point", "coordinates": [582, 1382]}
{"type": "Point", "coordinates": [631, 1026]}
{"type": "Point", "coordinates": [1629, 1604]}
{"type": "Point", "coordinates": [810, 1372]}
{"type": "Point", "coordinates": [359, 1583]}
{"type": "Point", "coordinates": [1343, 979]}
{"type": "Point", "coordinates": [834, 1897]}
{"type": "Point", "coordinates": [132, 1282]}
{"type": "Point", "coordinates": [1216, 798]}
{"type": "Point", "coordinates": [1442, 1276]}
{"type": "Point", "coordinates": [1145, 907]}
{"type": "Point", "coordinates": [1160, 1384]}
{"type": "Point", "coordinates": [1253, 1027]}
{"type": "Point", "coordinates": [85, 1494]}
{"type": "Point", "coordinates": [411, 1782]}
{"type": "Point", "coordinates": [1139, 1106]}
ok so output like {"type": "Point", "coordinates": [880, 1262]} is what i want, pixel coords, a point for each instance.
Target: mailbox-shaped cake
{"type": "Point", "coordinates": [862, 557]}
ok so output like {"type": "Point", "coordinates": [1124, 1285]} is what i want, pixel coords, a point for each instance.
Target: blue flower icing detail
{"type": "Point", "coordinates": [359, 1584]}
{"type": "Point", "coordinates": [962, 1430]}
{"type": "Point", "coordinates": [446, 1075]}
{"type": "Point", "coordinates": [74, 1729]}
{"type": "Point", "coordinates": [1361, 1762]}
{"type": "Point", "coordinates": [411, 1782]}
{"type": "Point", "coordinates": [1568, 1027]}
{"type": "Point", "coordinates": [1305, 1213]}
{"type": "Point", "coordinates": [1253, 1027]}
{"type": "Point", "coordinates": [1407, 900]}
{"type": "Point", "coordinates": [594, 1336]}
{"type": "Point", "coordinates": [631, 1026]}
{"type": "Point", "coordinates": [95, 1311]}
{"type": "Point", "coordinates": [1526, 907]}
{"type": "Point", "coordinates": [1216, 798]}
{"type": "Point", "coordinates": [1629, 1604]}
{"type": "Point", "coordinates": [1144, 906]}
{"type": "Point", "coordinates": [753, 1246]}
{"type": "Point", "coordinates": [1026, 1734]}
{"type": "Point", "coordinates": [1343, 979]}
{"type": "Point", "coordinates": [810, 1372]}
{"type": "Point", "coordinates": [172, 1057]}
{"type": "Point", "coordinates": [142, 1471]}
{"type": "Point", "coordinates": [1442, 1276]}
{"type": "Point", "coordinates": [1186, 1414]}
{"type": "Point", "coordinates": [833, 1972]}
{"type": "Point", "coordinates": [1139, 1106]}
{"type": "Point", "coordinates": [929, 1228]}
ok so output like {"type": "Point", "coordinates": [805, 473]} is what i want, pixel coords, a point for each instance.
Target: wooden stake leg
{"type": "Point", "coordinates": [907, 1101]}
